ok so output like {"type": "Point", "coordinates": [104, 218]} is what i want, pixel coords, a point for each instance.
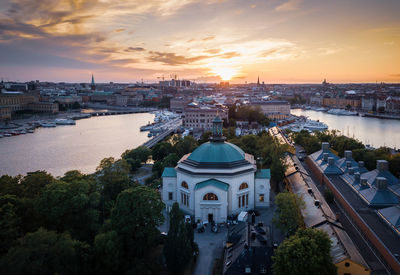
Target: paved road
{"type": "Point", "coordinates": [210, 248]}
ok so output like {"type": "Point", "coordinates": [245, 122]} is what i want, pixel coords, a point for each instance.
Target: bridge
{"type": "Point", "coordinates": [172, 127]}
{"type": "Point", "coordinates": [121, 112]}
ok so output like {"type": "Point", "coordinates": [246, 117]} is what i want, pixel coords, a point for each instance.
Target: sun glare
{"type": "Point", "coordinates": [225, 73]}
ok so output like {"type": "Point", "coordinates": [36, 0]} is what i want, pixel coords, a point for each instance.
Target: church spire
{"type": "Point", "coordinates": [258, 81]}
{"type": "Point", "coordinates": [92, 85]}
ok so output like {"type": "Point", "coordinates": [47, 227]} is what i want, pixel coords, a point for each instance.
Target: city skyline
{"type": "Point", "coordinates": [291, 41]}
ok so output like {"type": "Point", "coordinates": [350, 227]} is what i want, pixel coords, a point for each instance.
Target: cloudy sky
{"type": "Point", "coordinates": [282, 41]}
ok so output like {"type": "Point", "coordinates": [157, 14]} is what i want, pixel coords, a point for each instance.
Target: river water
{"type": "Point", "coordinates": [80, 147]}
{"type": "Point", "coordinates": [373, 131]}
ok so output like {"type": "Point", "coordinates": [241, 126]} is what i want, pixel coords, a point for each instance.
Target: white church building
{"type": "Point", "coordinates": [216, 180]}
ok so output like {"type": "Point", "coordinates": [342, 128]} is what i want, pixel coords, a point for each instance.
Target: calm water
{"type": "Point", "coordinates": [373, 131]}
{"type": "Point", "coordinates": [65, 148]}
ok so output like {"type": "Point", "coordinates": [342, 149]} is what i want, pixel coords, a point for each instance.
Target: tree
{"type": "Point", "coordinates": [161, 150]}
{"type": "Point", "coordinates": [43, 252]}
{"type": "Point", "coordinates": [34, 182]}
{"type": "Point", "coordinates": [185, 145]}
{"type": "Point", "coordinates": [205, 137]}
{"type": "Point", "coordinates": [107, 248]}
{"type": "Point", "coordinates": [10, 186]}
{"type": "Point", "coordinates": [178, 249]}
{"type": "Point", "coordinates": [170, 161]}
{"type": "Point", "coordinates": [306, 252]}
{"type": "Point", "coordinates": [113, 176]}
{"type": "Point", "coordinates": [278, 169]}
{"type": "Point", "coordinates": [140, 153]}
{"type": "Point", "coordinates": [10, 222]}
{"type": "Point", "coordinates": [71, 207]}
{"type": "Point", "coordinates": [76, 105]}
{"type": "Point", "coordinates": [136, 217]}
{"type": "Point", "coordinates": [288, 216]}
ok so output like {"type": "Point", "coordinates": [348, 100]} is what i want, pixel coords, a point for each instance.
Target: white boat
{"type": "Point", "coordinates": [1, 135]}
{"type": "Point", "coordinates": [342, 112]}
{"type": "Point", "coordinates": [7, 135]}
{"type": "Point", "coordinates": [47, 124]}
{"type": "Point", "coordinates": [313, 125]}
{"type": "Point", "coordinates": [31, 131]}
{"type": "Point", "coordinates": [64, 121]}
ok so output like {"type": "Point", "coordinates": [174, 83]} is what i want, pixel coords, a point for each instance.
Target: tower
{"type": "Point", "coordinates": [217, 135]}
{"type": "Point", "coordinates": [92, 85]}
{"type": "Point", "coordinates": [258, 81]}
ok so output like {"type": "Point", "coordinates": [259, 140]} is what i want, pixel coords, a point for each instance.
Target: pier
{"type": "Point", "coordinates": [120, 112]}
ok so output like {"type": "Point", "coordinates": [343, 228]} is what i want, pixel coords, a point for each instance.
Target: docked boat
{"type": "Point", "coordinates": [6, 134]}
{"type": "Point", "coordinates": [64, 121]}
{"type": "Point", "coordinates": [47, 124]}
{"type": "Point", "coordinates": [313, 125]}
{"type": "Point", "coordinates": [342, 112]}
{"type": "Point", "coordinates": [31, 131]}
{"type": "Point", "coordinates": [1, 135]}
{"type": "Point", "coordinates": [149, 134]}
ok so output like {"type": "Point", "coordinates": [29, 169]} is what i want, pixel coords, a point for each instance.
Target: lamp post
{"type": "Point", "coordinates": [259, 160]}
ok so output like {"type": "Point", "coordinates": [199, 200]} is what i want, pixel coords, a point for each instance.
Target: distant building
{"type": "Point", "coordinates": [201, 117]}
{"type": "Point", "coordinates": [274, 109]}
{"type": "Point", "coordinates": [5, 113]}
{"type": "Point", "coordinates": [43, 107]}
{"type": "Point", "coordinates": [178, 104]}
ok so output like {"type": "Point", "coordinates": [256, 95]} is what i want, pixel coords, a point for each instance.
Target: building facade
{"type": "Point", "coordinates": [216, 180]}
{"type": "Point", "coordinates": [274, 109]}
{"type": "Point", "coordinates": [201, 118]}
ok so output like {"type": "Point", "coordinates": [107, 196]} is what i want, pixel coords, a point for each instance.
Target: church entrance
{"type": "Point", "coordinates": [210, 218]}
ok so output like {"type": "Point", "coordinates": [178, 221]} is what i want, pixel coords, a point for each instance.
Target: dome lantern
{"type": "Point", "coordinates": [217, 130]}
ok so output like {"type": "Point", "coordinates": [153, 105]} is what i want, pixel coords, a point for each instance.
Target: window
{"type": "Point", "coordinates": [261, 198]}
{"type": "Point", "coordinates": [210, 197]}
{"type": "Point", "coordinates": [185, 199]}
{"type": "Point", "coordinates": [242, 200]}
{"type": "Point", "coordinates": [170, 196]}
{"type": "Point", "coordinates": [247, 199]}
{"type": "Point", "coordinates": [184, 185]}
{"type": "Point", "coordinates": [243, 186]}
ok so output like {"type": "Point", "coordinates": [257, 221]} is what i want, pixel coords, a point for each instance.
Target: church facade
{"type": "Point", "coordinates": [216, 180]}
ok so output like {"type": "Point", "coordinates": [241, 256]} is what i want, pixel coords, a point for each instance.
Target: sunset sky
{"type": "Point", "coordinates": [295, 41]}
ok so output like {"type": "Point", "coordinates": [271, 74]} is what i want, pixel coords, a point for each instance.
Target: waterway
{"type": "Point", "coordinates": [373, 131]}
{"type": "Point", "coordinates": [80, 147]}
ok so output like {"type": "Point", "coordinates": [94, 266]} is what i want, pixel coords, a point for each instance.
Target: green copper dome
{"type": "Point", "coordinates": [217, 152]}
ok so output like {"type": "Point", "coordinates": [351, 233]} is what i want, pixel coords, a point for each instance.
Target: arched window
{"type": "Point", "coordinates": [210, 197]}
{"type": "Point", "coordinates": [243, 186]}
{"type": "Point", "coordinates": [184, 185]}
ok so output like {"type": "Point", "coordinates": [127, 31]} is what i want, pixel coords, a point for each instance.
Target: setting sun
{"type": "Point", "coordinates": [225, 73]}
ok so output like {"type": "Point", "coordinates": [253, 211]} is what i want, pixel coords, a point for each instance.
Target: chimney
{"type": "Point", "coordinates": [381, 182]}
{"type": "Point", "coordinates": [325, 146]}
{"type": "Point", "coordinates": [351, 171]}
{"type": "Point", "coordinates": [363, 182]}
{"type": "Point", "coordinates": [361, 164]}
{"type": "Point", "coordinates": [348, 155]}
{"type": "Point", "coordinates": [348, 164]}
{"type": "Point", "coordinates": [357, 176]}
{"type": "Point", "coordinates": [330, 161]}
{"type": "Point", "coordinates": [325, 156]}
{"type": "Point", "coordinates": [382, 165]}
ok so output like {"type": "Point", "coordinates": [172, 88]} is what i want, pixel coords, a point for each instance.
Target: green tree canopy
{"type": "Point", "coordinates": [71, 207]}
{"type": "Point", "coordinates": [34, 182]}
{"type": "Point", "coordinates": [288, 216]}
{"type": "Point", "coordinates": [43, 252]}
{"type": "Point", "coordinates": [136, 217]}
{"type": "Point", "coordinates": [161, 150]}
{"type": "Point", "coordinates": [178, 249]}
{"type": "Point", "coordinates": [306, 252]}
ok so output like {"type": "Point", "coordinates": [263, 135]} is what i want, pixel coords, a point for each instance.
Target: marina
{"type": "Point", "coordinates": [64, 148]}
{"type": "Point", "coordinates": [368, 130]}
